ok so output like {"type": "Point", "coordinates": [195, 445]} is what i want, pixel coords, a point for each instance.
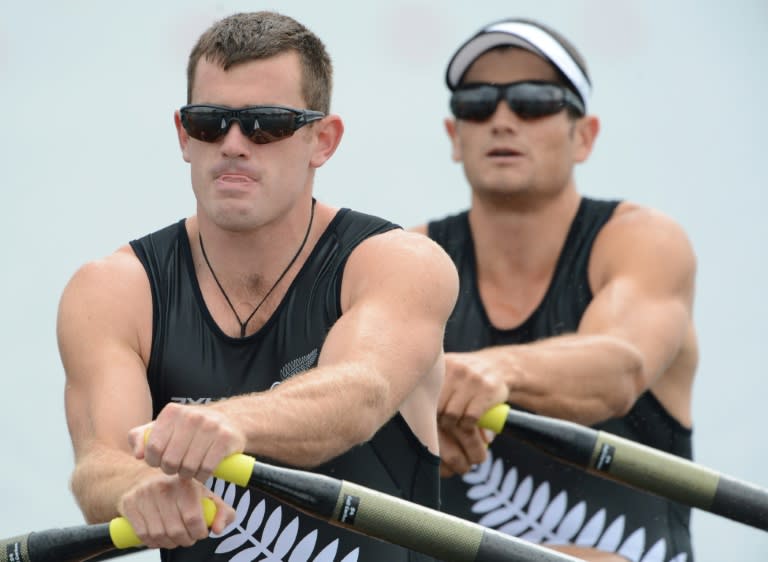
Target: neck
{"type": "Point", "coordinates": [521, 236]}
{"type": "Point", "coordinates": [248, 259]}
{"type": "Point", "coordinates": [239, 296]}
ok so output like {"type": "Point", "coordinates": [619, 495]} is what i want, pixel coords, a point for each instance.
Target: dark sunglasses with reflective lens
{"type": "Point", "coordinates": [262, 124]}
{"type": "Point", "coordinates": [529, 100]}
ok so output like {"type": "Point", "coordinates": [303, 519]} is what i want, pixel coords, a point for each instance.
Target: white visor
{"type": "Point", "coordinates": [518, 34]}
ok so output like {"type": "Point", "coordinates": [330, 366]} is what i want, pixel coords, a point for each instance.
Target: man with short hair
{"type": "Point", "coordinates": [570, 307]}
{"type": "Point", "coordinates": [267, 323]}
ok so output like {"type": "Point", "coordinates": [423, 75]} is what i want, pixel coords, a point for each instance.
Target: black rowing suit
{"type": "Point", "coordinates": [523, 492]}
{"type": "Point", "coordinates": [193, 361]}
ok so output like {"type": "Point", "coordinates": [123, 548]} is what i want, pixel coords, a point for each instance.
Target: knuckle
{"type": "Point", "coordinates": [202, 475]}
{"type": "Point", "coordinates": [170, 466]}
{"type": "Point", "coordinates": [446, 420]}
{"type": "Point", "coordinates": [194, 523]}
{"type": "Point", "coordinates": [477, 456]}
{"type": "Point", "coordinates": [179, 536]}
{"type": "Point", "coordinates": [155, 536]}
{"type": "Point", "coordinates": [185, 472]}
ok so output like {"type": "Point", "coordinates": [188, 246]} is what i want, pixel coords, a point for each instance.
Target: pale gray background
{"type": "Point", "coordinates": [89, 161]}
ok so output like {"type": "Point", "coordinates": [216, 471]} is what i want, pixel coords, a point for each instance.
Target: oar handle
{"type": "Point", "coordinates": [123, 536]}
{"type": "Point", "coordinates": [82, 542]}
{"type": "Point", "coordinates": [495, 418]}
{"type": "Point", "coordinates": [236, 468]}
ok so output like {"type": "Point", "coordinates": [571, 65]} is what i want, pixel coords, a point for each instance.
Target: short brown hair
{"type": "Point", "coordinates": [244, 37]}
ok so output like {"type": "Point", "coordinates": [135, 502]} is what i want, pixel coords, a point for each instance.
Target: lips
{"type": "Point", "coordinates": [235, 178]}
{"type": "Point", "coordinates": [230, 172]}
{"type": "Point", "coordinates": [503, 152]}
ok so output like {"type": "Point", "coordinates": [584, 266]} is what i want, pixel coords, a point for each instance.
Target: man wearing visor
{"type": "Point", "coordinates": [570, 307]}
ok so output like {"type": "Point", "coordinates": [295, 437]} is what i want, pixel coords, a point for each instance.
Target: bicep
{"type": "Point", "coordinates": [654, 325]}
{"type": "Point", "coordinates": [398, 291]}
{"type": "Point", "coordinates": [98, 328]}
{"type": "Point", "coordinates": [646, 298]}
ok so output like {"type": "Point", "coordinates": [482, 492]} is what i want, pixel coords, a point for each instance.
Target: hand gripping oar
{"type": "Point", "coordinates": [640, 466]}
{"type": "Point", "coordinates": [79, 543]}
{"type": "Point", "coordinates": [382, 516]}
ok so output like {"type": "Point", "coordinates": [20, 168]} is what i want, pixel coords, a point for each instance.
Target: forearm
{"type": "Point", "coordinates": [583, 378]}
{"type": "Point", "coordinates": [314, 417]}
{"type": "Point", "coordinates": [100, 479]}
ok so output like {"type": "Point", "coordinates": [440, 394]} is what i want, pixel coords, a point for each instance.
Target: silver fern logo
{"type": "Point", "coordinates": [519, 508]}
{"type": "Point", "coordinates": [298, 365]}
{"type": "Point", "coordinates": [258, 535]}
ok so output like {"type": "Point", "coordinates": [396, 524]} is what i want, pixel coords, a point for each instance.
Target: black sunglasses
{"type": "Point", "coordinates": [262, 124]}
{"type": "Point", "coordinates": [529, 100]}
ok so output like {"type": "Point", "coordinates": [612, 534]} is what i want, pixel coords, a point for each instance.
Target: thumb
{"type": "Point", "coordinates": [225, 515]}
{"type": "Point", "coordinates": [137, 438]}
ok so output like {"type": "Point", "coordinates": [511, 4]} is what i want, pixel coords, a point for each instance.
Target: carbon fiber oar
{"type": "Point", "coordinates": [78, 543]}
{"type": "Point", "coordinates": [382, 516]}
{"type": "Point", "coordinates": [640, 466]}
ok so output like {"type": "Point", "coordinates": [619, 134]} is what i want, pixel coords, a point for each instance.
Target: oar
{"type": "Point", "coordinates": [383, 516]}
{"type": "Point", "coordinates": [640, 466]}
{"type": "Point", "coordinates": [78, 543]}
{"type": "Point", "coordinates": [341, 503]}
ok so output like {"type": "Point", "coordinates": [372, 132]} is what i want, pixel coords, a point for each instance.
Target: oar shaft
{"type": "Point", "coordinates": [383, 516]}
{"type": "Point", "coordinates": [79, 543]}
{"type": "Point", "coordinates": [69, 544]}
{"type": "Point", "coordinates": [432, 532]}
{"type": "Point", "coordinates": [680, 480]}
{"type": "Point", "coordinates": [637, 465]}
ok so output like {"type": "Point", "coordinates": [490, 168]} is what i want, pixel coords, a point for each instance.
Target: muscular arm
{"type": "Point", "coordinates": [104, 329]}
{"type": "Point", "coordinates": [397, 293]}
{"type": "Point", "coordinates": [636, 334]}
{"type": "Point", "coordinates": [106, 392]}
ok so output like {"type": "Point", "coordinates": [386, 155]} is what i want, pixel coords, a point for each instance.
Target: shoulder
{"type": "Point", "coordinates": [109, 281]}
{"type": "Point", "coordinates": [636, 223]}
{"type": "Point", "coordinates": [644, 237]}
{"type": "Point", "coordinates": [401, 257]}
{"type": "Point", "coordinates": [404, 249]}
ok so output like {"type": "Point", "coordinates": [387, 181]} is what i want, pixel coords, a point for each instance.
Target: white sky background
{"type": "Point", "coordinates": [88, 161]}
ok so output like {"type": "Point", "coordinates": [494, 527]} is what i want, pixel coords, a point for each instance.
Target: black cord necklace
{"type": "Point", "coordinates": [243, 325]}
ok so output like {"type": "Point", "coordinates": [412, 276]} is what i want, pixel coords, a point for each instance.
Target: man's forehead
{"type": "Point", "coordinates": [507, 64]}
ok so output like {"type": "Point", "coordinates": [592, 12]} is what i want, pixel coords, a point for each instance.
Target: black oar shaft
{"type": "Point", "coordinates": [741, 501]}
{"type": "Point", "coordinates": [69, 544]}
{"type": "Point", "coordinates": [83, 542]}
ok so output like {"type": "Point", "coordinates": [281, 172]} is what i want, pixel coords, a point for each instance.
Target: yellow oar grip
{"type": "Point", "coordinates": [209, 511]}
{"type": "Point", "coordinates": [236, 468]}
{"type": "Point", "coordinates": [495, 418]}
{"type": "Point", "coordinates": [123, 535]}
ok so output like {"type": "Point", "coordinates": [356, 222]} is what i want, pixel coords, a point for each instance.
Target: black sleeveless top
{"type": "Point", "coordinates": [192, 361]}
{"type": "Point", "coordinates": [526, 493]}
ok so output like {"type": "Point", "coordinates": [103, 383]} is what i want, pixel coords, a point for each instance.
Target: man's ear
{"type": "Point", "coordinates": [450, 128]}
{"type": "Point", "coordinates": [182, 135]}
{"type": "Point", "coordinates": [328, 132]}
{"type": "Point", "coordinates": [586, 131]}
